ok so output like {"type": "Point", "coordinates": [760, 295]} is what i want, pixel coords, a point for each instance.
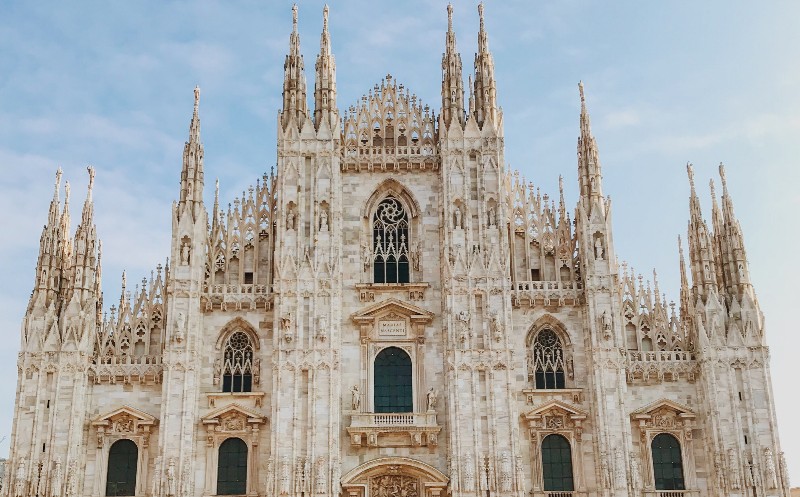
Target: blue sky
{"type": "Point", "coordinates": [110, 84]}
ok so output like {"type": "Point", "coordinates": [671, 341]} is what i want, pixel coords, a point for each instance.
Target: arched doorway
{"type": "Point", "coordinates": [123, 459]}
{"type": "Point", "coordinates": [232, 467]}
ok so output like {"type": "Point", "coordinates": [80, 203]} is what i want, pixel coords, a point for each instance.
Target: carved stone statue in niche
{"type": "Point", "coordinates": [356, 402]}
{"type": "Point", "coordinates": [463, 326]}
{"type": "Point", "coordinates": [323, 220]}
{"type": "Point", "coordinates": [290, 219]}
{"type": "Point", "coordinates": [19, 479]}
{"type": "Point", "coordinates": [598, 248]}
{"type": "Point", "coordinates": [431, 399]}
{"type": "Point", "coordinates": [605, 321]}
{"type": "Point", "coordinates": [733, 470]}
{"type": "Point", "coordinates": [286, 327]}
{"type": "Point", "coordinates": [185, 252]}
{"type": "Point", "coordinates": [180, 326]}
{"type": "Point", "coordinates": [171, 477]}
{"type": "Point", "coordinates": [457, 216]}
{"type": "Point", "coordinates": [492, 215]}
{"type": "Point", "coordinates": [367, 256]}
{"type": "Point", "coordinates": [496, 326]}
{"type": "Point", "coordinates": [636, 474]}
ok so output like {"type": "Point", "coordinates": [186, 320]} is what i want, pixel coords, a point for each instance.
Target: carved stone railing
{"type": "Point", "coordinates": [393, 429]}
{"type": "Point", "coordinates": [661, 365]}
{"type": "Point", "coordinates": [545, 293]}
{"type": "Point", "coordinates": [671, 493]}
{"type": "Point", "coordinates": [125, 369]}
{"type": "Point", "coordinates": [236, 297]}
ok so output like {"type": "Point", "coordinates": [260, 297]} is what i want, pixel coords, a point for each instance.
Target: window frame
{"type": "Point", "coordinates": [246, 467]}
{"type": "Point", "coordinates": [568, 461]}
{"type": "Point", "coordinates": [676, 482]}
{"type": "Point", "coordinates": [399, 249]}
{"type": "Point", "coordinates": [410, 386]}
{"type": "Point", "coordinates": [108, 467]}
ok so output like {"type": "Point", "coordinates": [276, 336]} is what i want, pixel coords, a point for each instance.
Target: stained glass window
{"type": "Point", "coordinates": [237, 368]}
{"type": "Point", "coordinates": [390, 242]}
{"type": "Point", "coordinates": [547, 362]}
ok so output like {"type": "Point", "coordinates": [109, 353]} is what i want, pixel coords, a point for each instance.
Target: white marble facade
{"type": "Point", "coordinates": [495, 282]}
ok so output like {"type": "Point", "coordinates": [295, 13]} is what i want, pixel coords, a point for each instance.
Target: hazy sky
{"type": "Point", "coordinates": [110, 84]}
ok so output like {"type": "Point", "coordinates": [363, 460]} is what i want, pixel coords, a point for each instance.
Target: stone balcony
{"type": "Point", "coordinates": [660, 366]}
{"type": "Point", "coordinates": [240, 296]}
{"type": "Point", "coordinates": [545, 293]}
{"type": "Point", "coordinates": [409, 429]}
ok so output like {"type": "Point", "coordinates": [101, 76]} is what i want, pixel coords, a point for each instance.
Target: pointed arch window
{"type": "Point", "coordinates": [390, 242]}
{"type": "Point", "coordinates": [123, 459]}
{"type": "Point", "coordinates": [548, 360]}
{"type": "Point", "coordinates": [232, 467]}
{"type": "Point", "coordinates": [237, 368]}
{"type": "Point", "coordinates": [557, 464]}
{"type": "Point", "coordinates": [393, 381]}
{"type": "Point", "coordinates": [667, 462]}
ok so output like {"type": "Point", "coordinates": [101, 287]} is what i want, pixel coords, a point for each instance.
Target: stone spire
{"type": "Point", "coordinates": [84, 261]}
{"type": "Point", "coordinates": [191, 196]}
{"type": "Point", "coordinates": [589, 171]}
{"type": "Point", "coordinates": [49, 263]}
{"type": "Point", "coordinates": [485, 88]}
{"type": "Point", "coordinates": [325, 82]}
{"type": "Point", "coordinates": [733, 258]}
{"type": "Point", "coordinates": [701, 255]}
{"type": "Point", "coordinates": [452, 78]}
{"type": "Point", "coordinates": [686, 301]}
{"type": "Point", "coordinates": [294, 79]}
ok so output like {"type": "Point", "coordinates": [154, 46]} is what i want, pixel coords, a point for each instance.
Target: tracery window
{"type": "Point", "coordinates": [667, 462]}
{"type": "Point", "coordinates": [393, 381]}
{"type": "Point", "coordinates": [237, 367]}
{"type": "Point", "coordinates": [390, 242]}
{"type": "Point", "coordinates": [232, 467]}
{"type": "Point", "coordinates": [122, 461]}
{"type": "Point", "coordinates": [548, 360]}
{"type": "Point", "coordinates": [557, 463]}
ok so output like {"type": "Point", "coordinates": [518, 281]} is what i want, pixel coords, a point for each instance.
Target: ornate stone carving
{"type": "Point", "coordinates": [733, 470]}
{"type": "Point", "coordinates": [769, 468]}
{"type": "Point", "coordinates": [431, 399]}
{"type": "Point", "coordinates": [123, 424]}
{"type": "Point", "coordinates": [505, 471]}
{"type": "Point", "coordinates": [469, 472]}
{"type": "Point", "coordinates": [392, 485]}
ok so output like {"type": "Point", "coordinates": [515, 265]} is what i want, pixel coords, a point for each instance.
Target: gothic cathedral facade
{"type": "Point", "coordinates": [393, 313]}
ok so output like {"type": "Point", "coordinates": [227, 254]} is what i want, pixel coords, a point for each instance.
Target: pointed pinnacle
{"type": "Point", "coordinates": [724, 179]}
{"type": "Point", "coordinates": [66, 194]}
{"type": "Point", "coordinates": [690, 172]}
{"type": "Point", "coordinates": [325, 17]}
{"type": "Point", "coordinates": [196, 99]}
{"type": "Point", "coordinates": [713, 190]}
{"type": "Point", "coordinates": [580, 90]}
{"type": "Point", "coordinates": [449, 17]}
{"type": "Point", "coordinates": [90, 169]}
{"type": "Point", "coordinates": [480, 15]}
{"type": "Point", "coordinates": [294, 18]}
{"type": "Point", "coordinates": [59, 174]}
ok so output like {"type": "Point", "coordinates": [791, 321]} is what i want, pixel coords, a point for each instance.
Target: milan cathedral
{"type": "Point", "coordinates": [392, 312]}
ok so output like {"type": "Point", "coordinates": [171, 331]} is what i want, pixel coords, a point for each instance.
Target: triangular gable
{"type": "Point", "coordinates": [232, 410]}
{"type": "Point", "coordinates": [416, 314]}
{"type": "Point", "coordinates": [649, 410]}
{"type": "Point", "coordinates": [126, 414]}
{"type": "Point", "coordinates": [562, 407]}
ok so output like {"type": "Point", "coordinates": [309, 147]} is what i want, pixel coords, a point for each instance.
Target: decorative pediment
{"type": "Point", "coordinates": [400, 309]}
{"type": "Point", "coordinates": [664, 414]}
{"type": "Point", "coordinates": [232, 417]}
{"type": "Point", "coordinates": [554, 415]}
{"type": "Point", "coordinates": [125, 420]}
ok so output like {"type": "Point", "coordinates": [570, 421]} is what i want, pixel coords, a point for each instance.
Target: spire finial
{"type": "Point", "coordinates": [90, 169]}
{"type": "Point", "coordinates": [690, 171]}
{"type": "Point", "coordinates": [722, 176]}
{"type": "Point", "coordinates": [325, 17]}
{"type": "Point", "coordinates": [216, 190]}
{"type": "Point", "coordinates": [713, 189]}
{"type": "Point", "coordinates": [59, 173]}
{"type": "Point", "coordinates": [196, 99]}
{"type": "Point", "coordinates": [480, 15]}
{"type": "Point", "coordinates": [66, 194]}
{"type": "Point", "coordinates": [449, 17]}
{"type": "Point", "coordinates": [580, 90]}
{"type": "Point", "coordinates": [294, 18]}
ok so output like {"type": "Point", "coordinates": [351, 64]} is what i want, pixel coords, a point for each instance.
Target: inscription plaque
{"type": "Point", "coordinates": [393, 328]}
